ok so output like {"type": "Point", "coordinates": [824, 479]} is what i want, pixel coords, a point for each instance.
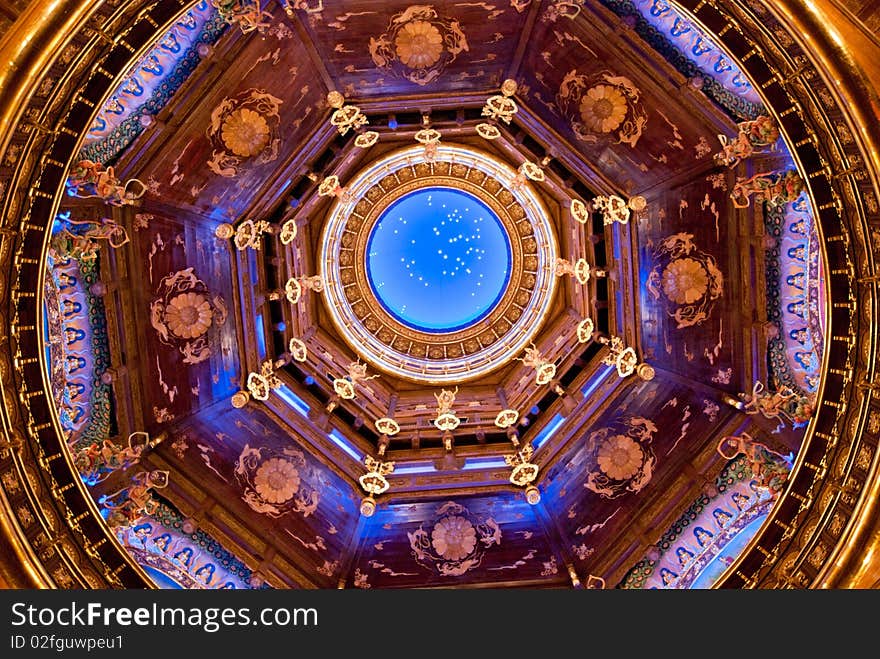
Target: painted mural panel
{"type": "Point", "coordinates": [684, 45]}
{"type": "Point", "coordinates": [75, 334]}
{"type": "Point", "coordinates": [151, 82]}
{"type": "Point", "coordinates": [709, 535]}
{"type": "Point", "coordinates": [795, 289]}
{"type": "Point", "coordinates": [176, 556]}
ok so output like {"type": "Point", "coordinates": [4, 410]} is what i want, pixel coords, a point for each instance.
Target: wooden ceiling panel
{"type": "Point", "coordinates": [638, 459]}
{"type": "Point", "coordinates": [261, 475]}
{"type": "Point", "coordinates": [452, 543]}
{"type": "Point", "coordinates": [700, 289]}
{"type": "Point", "coordinates": [374, 49]}
{"type": "Point", "coordinates": [181, 288]}
{"type": "Point", "coordinates": [235, 125]}
{"type": "Point", "coordinates": [635, 127]}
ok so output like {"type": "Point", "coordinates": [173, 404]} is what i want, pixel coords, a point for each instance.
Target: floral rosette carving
{"type": "Point", "coordinates": [418, 44]}
{"type": "Point", "coordinates": [621, 457]}
{"type": "Point", "coordinates": [244, 128]}
{"type": "Point", "coordinates": [194, 560]}
{"type": "Point", "coordinates": [687, 278]}
{"type": "Point", "coordinates": [603, 107]}
{"type": "Point", "coordinates": [275, 483]}
{"type": "Point", "coordinates": [183, 313]}
{"type": "Point", "coordinates": [455, 541]}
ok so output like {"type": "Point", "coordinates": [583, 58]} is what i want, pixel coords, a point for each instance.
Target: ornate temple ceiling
{"type": "Point", "coordinates": [662, 149]}
{"type": "Point", "coordinates": [245, 136]}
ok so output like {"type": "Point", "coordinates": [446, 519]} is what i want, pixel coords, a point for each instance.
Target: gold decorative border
{"type": "Point", "coordinates": [434, 356]}
{"type": "Point", "coordinates": [826, 520]}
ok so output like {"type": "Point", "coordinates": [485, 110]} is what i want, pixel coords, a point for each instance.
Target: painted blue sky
{"type": "Point", "coordinates": [438, 259]}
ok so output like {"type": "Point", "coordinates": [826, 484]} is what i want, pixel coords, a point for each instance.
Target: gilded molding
{"type": "Point", "coordinates": [841, 173]}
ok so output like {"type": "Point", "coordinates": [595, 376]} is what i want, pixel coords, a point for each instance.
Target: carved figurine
{"type": "Point", "coordinates": [770, 404]}
{"type": "Point", "coordinates": [770, 468]}
{"type": "Point", "coordinates": [92, 179]}
{"type": "Point", "coordinates": [97, 461]}
{"type": "Point", "coordinates": [126, 505]}
{"type": "Point", "coordinates": [775, 188]}
{"type": "Point", "coordinates": [758, 134]}
{"type": "Point", "coordinates": [445, 401]}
